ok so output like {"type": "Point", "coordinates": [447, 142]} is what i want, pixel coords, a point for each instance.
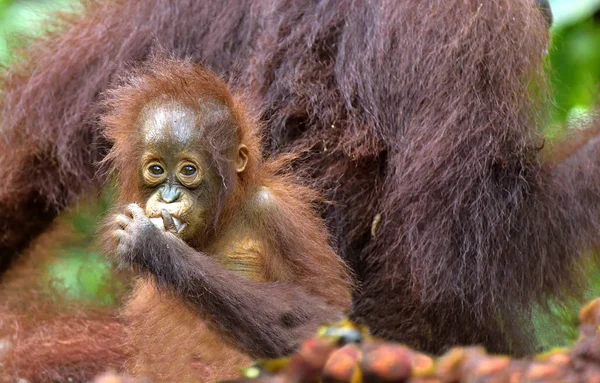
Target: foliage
{"type": "Point", "coordinates": [80, 271]}
{"type": "Point", "coordinates": [575, 61]}
{"type": "Point", "coordinates": [25, 16]}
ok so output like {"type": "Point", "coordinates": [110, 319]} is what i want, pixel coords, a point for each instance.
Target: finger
{"type": "Point", "coordinates": [122, 221]}
{"type": "Point", "coordinates": [128, 211]}
{"type": "Point", "coordinates": [168, 221]}
{"type": "Point", "coordinates": [123, 239]}
{"type": "Point", "coordinates": [134, 210]}
{"type": "Point", "coordinates": [123, 249]}
{"type": "Point", "coordinates": [119, 234]}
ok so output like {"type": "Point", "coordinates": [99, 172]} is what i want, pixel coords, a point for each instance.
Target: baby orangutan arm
{"type": "Point", "coordinates": [266, 319]}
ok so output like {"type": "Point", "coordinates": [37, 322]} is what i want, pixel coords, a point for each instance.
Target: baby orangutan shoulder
{"type": "Point", "coordinates": [233, 263]}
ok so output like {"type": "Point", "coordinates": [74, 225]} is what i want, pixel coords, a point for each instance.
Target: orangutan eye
{"type": "Point", "coordinates": [156, 170]}
{"type": "Point", "coordinates": [188, 170]}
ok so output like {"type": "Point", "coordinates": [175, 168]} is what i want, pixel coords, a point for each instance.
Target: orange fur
{"type": "Point", "coordinates": [267, 237]}
{"type": "Point", "coordinates": [173, 343]}
{"type": "Point", "coordinates": [44, 336]}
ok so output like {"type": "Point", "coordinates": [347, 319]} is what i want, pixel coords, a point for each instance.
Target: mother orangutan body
{"type": "Point", "coordinates": [418, 122]}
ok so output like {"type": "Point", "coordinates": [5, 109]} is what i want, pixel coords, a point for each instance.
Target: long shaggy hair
{"type": "Point", "coordinates": [420, 121]}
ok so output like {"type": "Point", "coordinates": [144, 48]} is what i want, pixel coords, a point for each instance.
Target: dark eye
{"type": "Point", "coordinates": [188, 170]}
{"type": "Point", "coordinates": [156, 170]}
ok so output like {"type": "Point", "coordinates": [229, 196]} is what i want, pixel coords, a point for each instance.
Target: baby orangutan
{"type": "Point", "coordinates": [233, 262]}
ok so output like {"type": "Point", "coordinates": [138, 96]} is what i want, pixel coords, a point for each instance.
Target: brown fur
{"type": "Point", "coordinates": [51, 351]}
{"type": "Point", "coordinates": [43, 335]}
{"type": "Point", "coordinates": [421, 113]}
{"type": "Point", "coordinates": [203, 308]}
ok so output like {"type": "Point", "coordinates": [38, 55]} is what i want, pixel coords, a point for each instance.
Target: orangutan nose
{"type": "Point", "coordinates": [170, 194]}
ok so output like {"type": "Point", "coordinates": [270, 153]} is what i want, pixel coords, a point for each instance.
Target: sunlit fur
{"type": "Point", "coordinates": [426, 114]}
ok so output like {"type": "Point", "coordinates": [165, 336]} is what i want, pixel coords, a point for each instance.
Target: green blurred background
{"type": "Point", "coordinates": [82, 273]}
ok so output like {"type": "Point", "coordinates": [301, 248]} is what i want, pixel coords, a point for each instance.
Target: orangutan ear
{"type": "Point", "coordinates": [242, 158]}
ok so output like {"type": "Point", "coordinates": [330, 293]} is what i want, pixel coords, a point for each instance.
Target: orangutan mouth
{"type": "Point", "coordinates": [160, 223]}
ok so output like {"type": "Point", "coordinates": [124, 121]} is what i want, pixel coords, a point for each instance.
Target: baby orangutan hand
{"type": "Point", "coordinates": [134, 231]}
